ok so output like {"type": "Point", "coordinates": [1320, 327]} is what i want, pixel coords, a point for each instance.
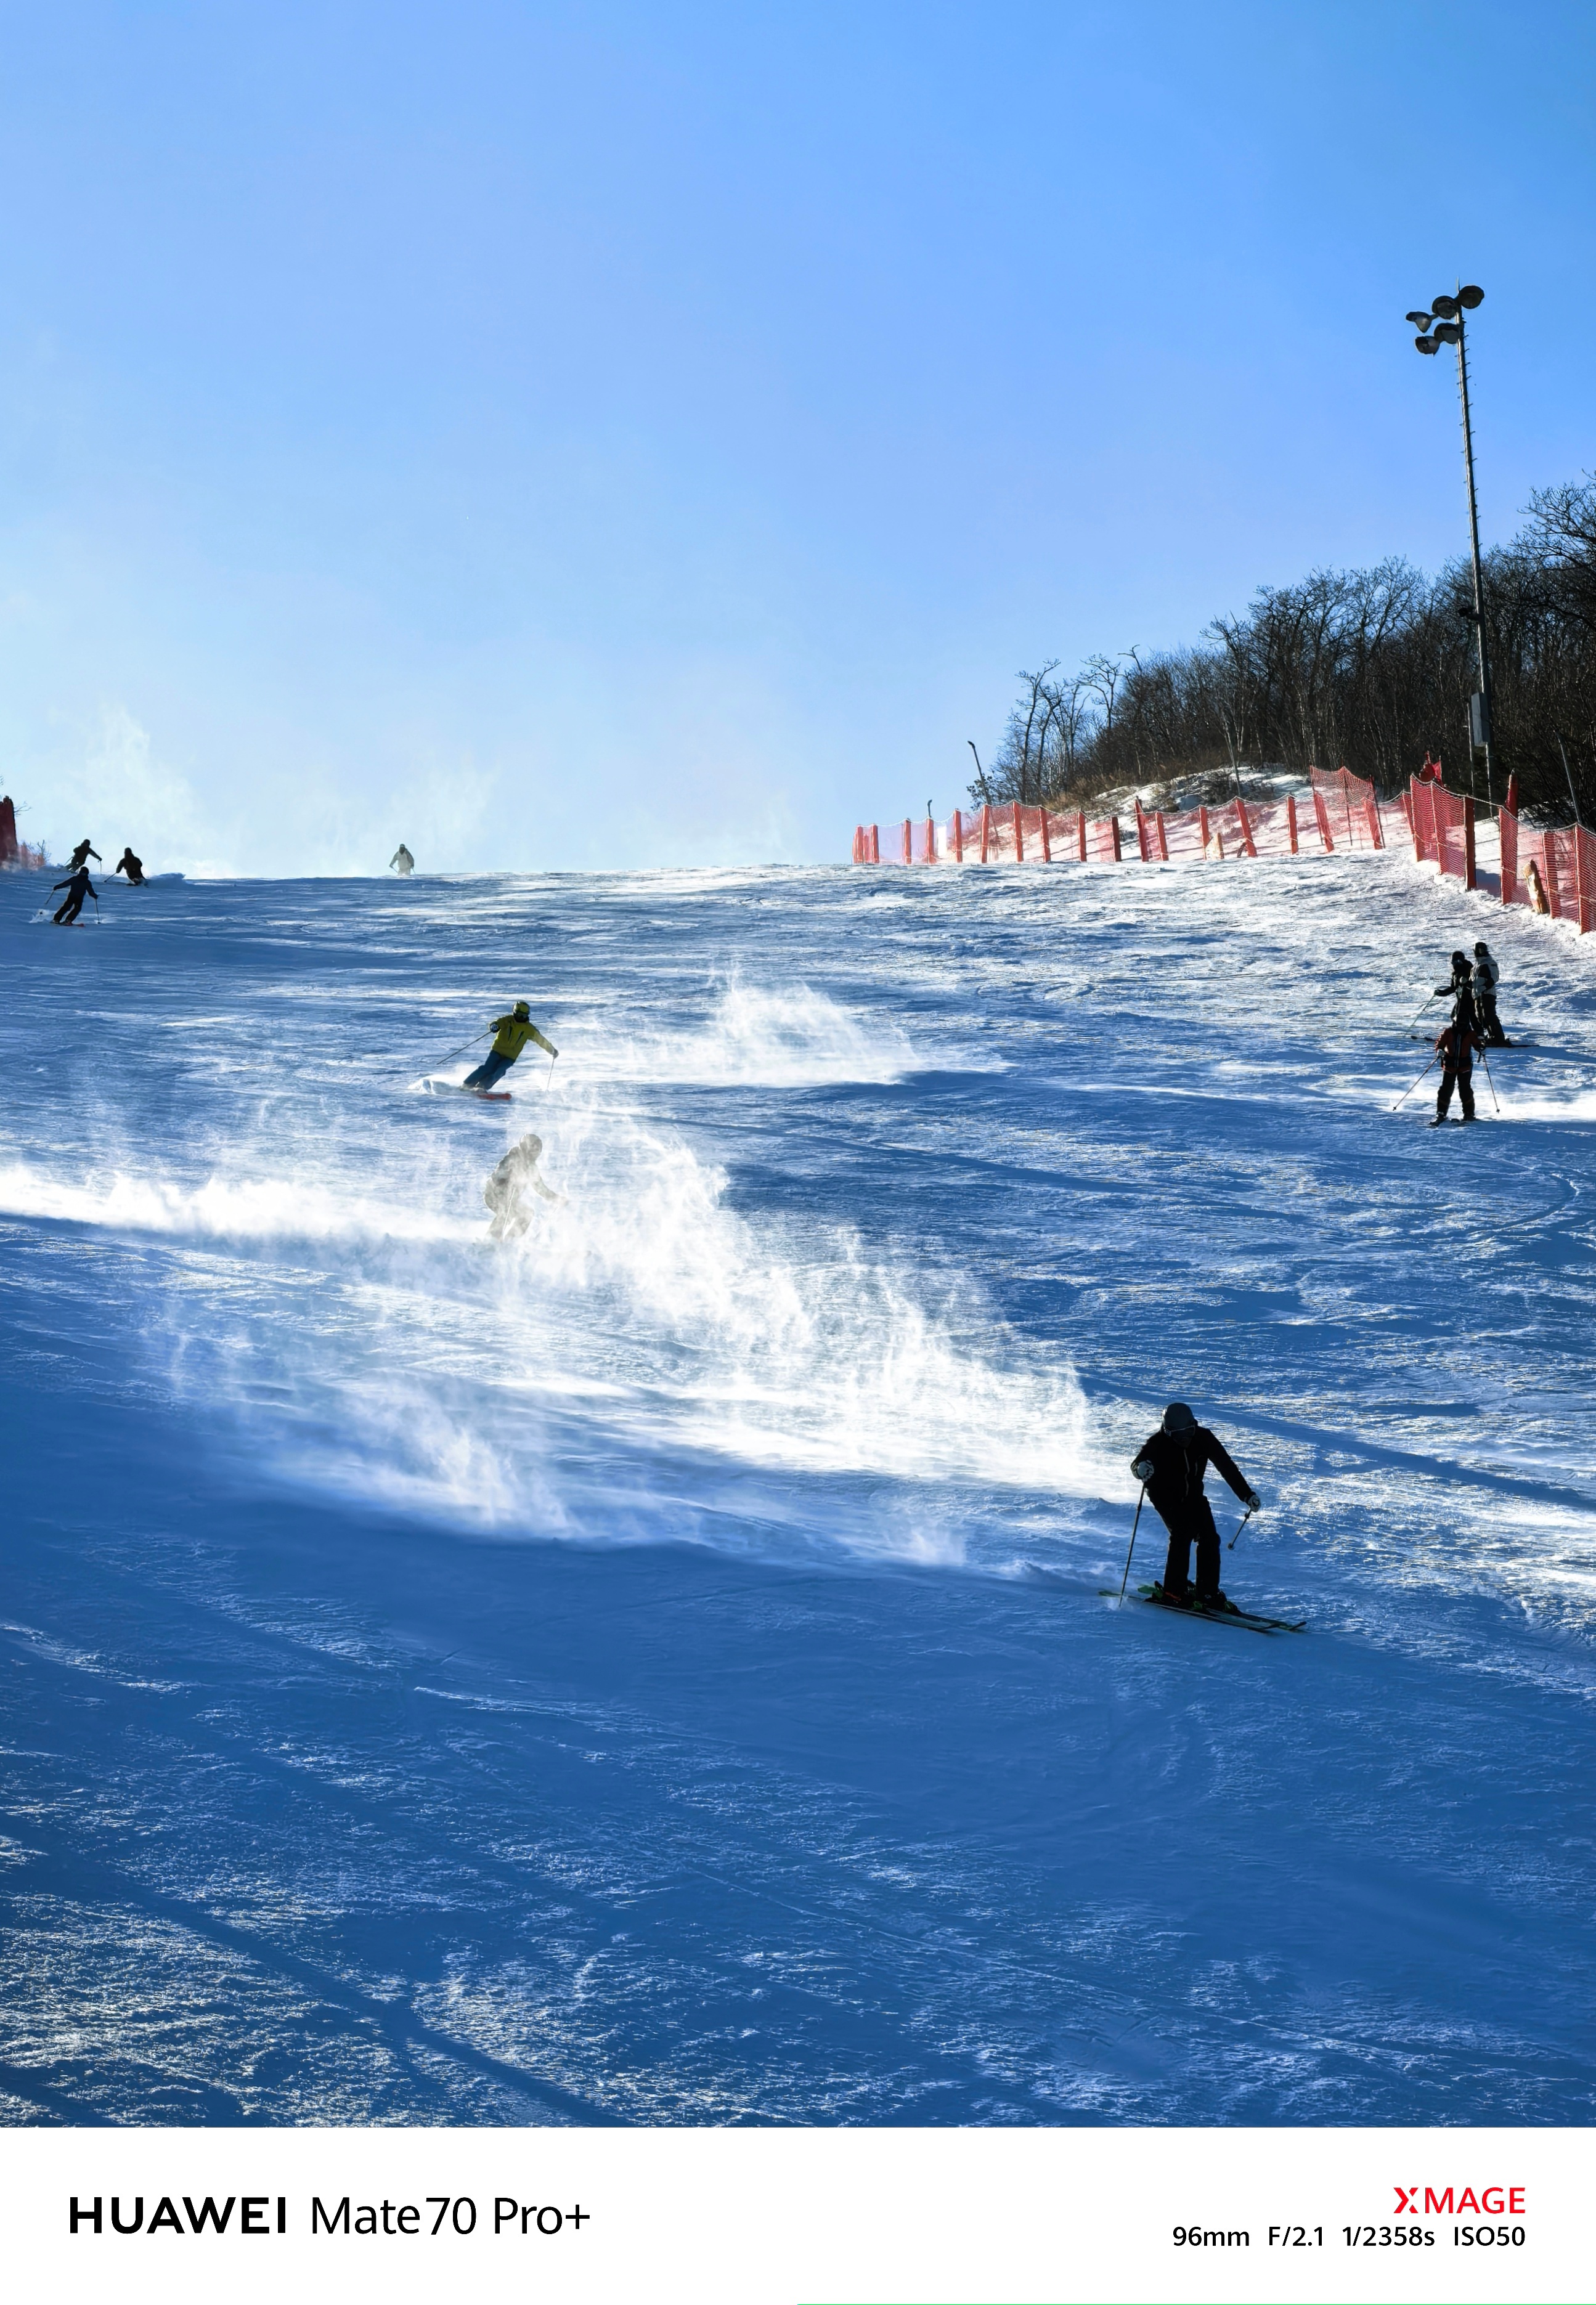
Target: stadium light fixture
{"type": "Point", "coordinates": [1443, 324]}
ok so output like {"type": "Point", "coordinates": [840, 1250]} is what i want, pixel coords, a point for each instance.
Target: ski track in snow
{"type": "Point", "coordinates": [657, 1672]}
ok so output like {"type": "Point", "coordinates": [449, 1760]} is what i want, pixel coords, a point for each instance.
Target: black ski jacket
{"type": "Point", "coordinates": [1173, 1465]}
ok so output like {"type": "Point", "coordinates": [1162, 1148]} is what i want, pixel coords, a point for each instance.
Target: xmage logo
{"type": "Point", "coordinates": [1489, 2201]}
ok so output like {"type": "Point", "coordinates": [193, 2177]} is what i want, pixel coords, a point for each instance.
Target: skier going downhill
{"type": "Point", "coordinates": [81, 855]}
{"type": "Point", "coordinates": [77, 888]}
{"type": "Point", "coordinates": [134, 866]}
{"type": "Point", "coordinates": [1171, 1464]}
{"type": "Point", "coordinates": [504, 1188]}
{"type": "Point", "coordinates": [1455, 1047]}
{"type": "Point", "coordinates": [510, 1035]}
{"type": "Point", "coordinates": [1487, 976]}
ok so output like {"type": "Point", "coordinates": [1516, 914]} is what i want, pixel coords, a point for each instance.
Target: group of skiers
{"type": "Point", "coordinates": [1473, 1024]}
{"type": "Point", "coordinates": [78, 884]}
{"type": "Point", "coordinates": [1172, 1462]}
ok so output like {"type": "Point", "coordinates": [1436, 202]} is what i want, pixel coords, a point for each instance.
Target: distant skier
{"type": "Point", "coordinates": [402, 862]}
{"type": "Point", "coordinates": [504, 1188]}
{"type": "Point", "coordinates": [510, 1035]}
{"type": "Point", "coordinates": [81, 855]}
{"type": "Point", "coordinates": [1486, 978]}
{"type": "Point", "coordinates": [134, 866]}
{"type": "Point", "coordinates": [1460, 991]}
{"type": "Point", "coordinates": [1455, 1047]}
{"type": "Point", "coordinates": [79, 887]}
{"type": "Point", "coordinates": [1171, 1465]}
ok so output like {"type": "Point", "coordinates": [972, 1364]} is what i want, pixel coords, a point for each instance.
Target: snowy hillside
{"type": "Point", "coordinates": [658, 1672]}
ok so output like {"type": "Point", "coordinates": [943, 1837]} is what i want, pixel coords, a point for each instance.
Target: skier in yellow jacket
{"type": "Point", "coordinates": [510, 1035]}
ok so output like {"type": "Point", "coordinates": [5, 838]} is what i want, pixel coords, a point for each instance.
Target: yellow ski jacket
{"type": "Point", "coordinates": [511, 1034]}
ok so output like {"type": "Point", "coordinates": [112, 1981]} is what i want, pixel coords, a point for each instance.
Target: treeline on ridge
{"type": "Point", "coordinates": [1372, 668]}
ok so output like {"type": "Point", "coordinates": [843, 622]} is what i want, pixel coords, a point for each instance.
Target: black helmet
{"type": "Point", "coordinates": [1459, 960]}
{"type": "Point", "coordinates": [1178, 1418]}
{"type": "Point", "coordinates": [1482, 946]}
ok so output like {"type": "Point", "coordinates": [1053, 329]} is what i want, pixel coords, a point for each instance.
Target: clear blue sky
{"type": "Point", "coordinates": [561, 436]}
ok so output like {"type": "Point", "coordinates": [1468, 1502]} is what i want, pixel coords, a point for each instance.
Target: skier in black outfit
{"type": "Point", "coordinates": [81, 854]}
{"type": "Point", "coordinates": [1455, 1047]}
{"type": "Point", "coordinates": [79, 887]}
{"type": "Point", "coordinates": [1171, 1464]}
{"type": "Point", "coordinates": [134, 866]}
{"type": "Point", "coordinates": [1460, 991]}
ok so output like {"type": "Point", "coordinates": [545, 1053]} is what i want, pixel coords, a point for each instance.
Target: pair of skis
{"type": "Point", "coordinates": [1156, 1597]}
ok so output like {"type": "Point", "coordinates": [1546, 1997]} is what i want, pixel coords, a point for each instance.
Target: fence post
{"type": "Point", "coordinates": [1468, 844]}
{"type": "Point", "coordinates": [1291, 820]}
{"type": "Point", "coordinates": [1246, 827]}
{"type": "Point", "coordinates": [1323, 821]}
{"type": "Point", "coordinates": [1141, 833]}
{"type": "Point", "coordinates": [1346, 802]}
{"type": "Point", "coordinates": [1113, 827]}
{"type": "Point", "coordinates": [876, 844]}
{"type": "Point", "coordinates": [985, 829]}
{"type": "Point", "coordinates": [958, 837]}
{"type": "Point", "coordinates": [1372, 807]}
{"type": "Point", "coordinates": [1507, 838]}
{"type": "Point", "coordinates": [1202, 829]}
{"type": "Point", "coordinates": [1163, 838]}
{"type": "Point", "coordinates": [1018, 837]}
{"type": "Point", "coordinates": [1080, 831]}
{"type": "Point", "coordinates": [1046, 843]}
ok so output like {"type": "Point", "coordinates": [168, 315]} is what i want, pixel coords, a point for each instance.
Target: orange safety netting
{"type": "Point", "coordinates": [1344, 813]}
{"type": "Point", "coordinates": [1443, 827]}
{"type": "Point", "coordinates": [1552, 871]}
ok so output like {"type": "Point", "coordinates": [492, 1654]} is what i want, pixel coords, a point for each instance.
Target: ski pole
{"type": "Point", "coordinates": [460, 1051]}
{"type": "Point", "coordinates": [1495, 1099]}
{"type": "Point", "coordinates": [1408, 1091]}
{"type": "Point", "coordinates": [1125, 1580]}
{"type": "Point", "coordinates": [1240, 1525]}
{"type": "Point", "coordinates": [1429, 998]}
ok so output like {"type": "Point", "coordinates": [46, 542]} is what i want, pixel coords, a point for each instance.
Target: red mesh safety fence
{"type": "Point", "coordinates": [1345, 814]}
{"type": "Point", "coordinates": [1443, 826]}
{"type": "Point", "coordinates": [1552, 871]}
{"type": "Point", "coordinates": [1348, 808]}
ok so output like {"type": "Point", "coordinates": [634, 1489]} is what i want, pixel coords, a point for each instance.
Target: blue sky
{"type": "Point", "coordinates": [562, 437]}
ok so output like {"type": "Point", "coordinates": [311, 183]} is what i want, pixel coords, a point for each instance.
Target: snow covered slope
{"type": "Point", "coordinates": [657, 1672]}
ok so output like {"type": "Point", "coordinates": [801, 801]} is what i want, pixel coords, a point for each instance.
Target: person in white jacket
{"type": "Point", "coordinates": [1487, 976]}
{"type": "Point", "coordinates": [504, 1188]}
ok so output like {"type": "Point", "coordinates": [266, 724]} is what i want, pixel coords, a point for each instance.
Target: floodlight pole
{"type": "Point", "coordinates": [1468, 466]}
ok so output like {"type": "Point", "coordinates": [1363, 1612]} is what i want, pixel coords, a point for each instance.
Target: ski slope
{"type": "Point", "coordinates": [657, 1672]}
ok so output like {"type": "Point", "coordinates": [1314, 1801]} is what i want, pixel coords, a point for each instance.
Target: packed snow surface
{"type": "Point", "coordinates": [658, 1671]}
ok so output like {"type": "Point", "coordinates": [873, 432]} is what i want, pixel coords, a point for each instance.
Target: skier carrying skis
{"type": "Point", "coordinates": [1486, 978]}
{"type": "Point", "coordinates": [1171, 1464]}
{"type": "Point", "coordinates": [1455, 1047]}
{"type": "Point", "coordinates": [503, 1190]}
{"type": "Point", "coordinates": [134, 866]}
{"type": "Point", "coordinates": [510, 1035]}
{"type": "Point", "coordinates": [77, 888]}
